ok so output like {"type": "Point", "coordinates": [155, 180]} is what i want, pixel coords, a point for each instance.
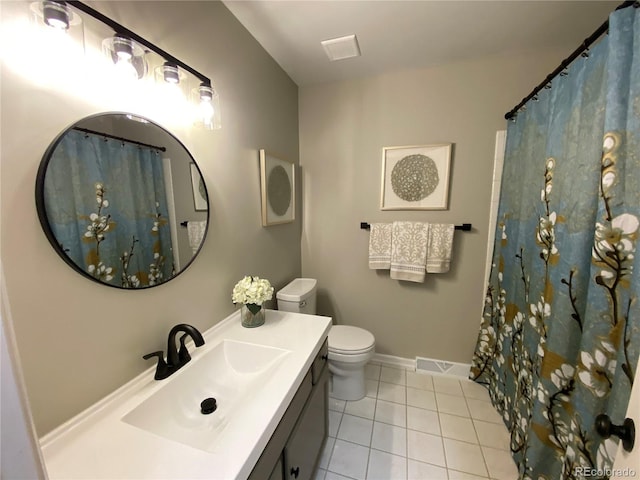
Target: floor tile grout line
{"type": "Point", "coordinates": [484, 460]}
{"type": "Point", "coordinates": [366, 472]}
{"type": "Point", "coordinates": [406, 432]}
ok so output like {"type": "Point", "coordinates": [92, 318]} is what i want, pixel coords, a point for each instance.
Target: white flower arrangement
{"type": "Point", "coordinates": [252, 292]}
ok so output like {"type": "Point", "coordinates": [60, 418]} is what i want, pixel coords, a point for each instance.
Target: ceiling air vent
{"type": "Point", "coordinates": [341, 48]}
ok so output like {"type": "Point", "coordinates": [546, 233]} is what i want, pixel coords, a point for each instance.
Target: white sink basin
{"type": "Point", "coordinates": [232, 372]}
{"type": "Point", "coordinates": [148, 429]}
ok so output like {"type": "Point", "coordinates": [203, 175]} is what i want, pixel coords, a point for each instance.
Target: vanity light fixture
{"type": "Point", "coordinates": [58, 35]}
{"type": "Point", "coordinates": [126, 47]}
{"type": "Point", "coordinates": [127, 55]}
{"type": "Point", "coordinates": [205, 92]}
{"type": "Point", "coordinates": [122, 47]}
{"type": "Point", "coordinates": [208, 116]}
{"type": "Point", "coordinates": [172, 81]}
{"type": "Point", "coordinates": [170, 73]}
{"type": "Point", "coordinates": [56, 14]}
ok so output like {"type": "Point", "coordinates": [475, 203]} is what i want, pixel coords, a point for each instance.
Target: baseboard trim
{"type": "Point", "coordinates": [429, 366]}
{"type": "Point", "coordinates": [394, 361]}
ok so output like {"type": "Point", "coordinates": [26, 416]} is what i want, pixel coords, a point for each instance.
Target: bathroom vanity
{"type": "Point", "coordinates": [270, 384]}
{"type": "Point", "coordinates": [295, 446]}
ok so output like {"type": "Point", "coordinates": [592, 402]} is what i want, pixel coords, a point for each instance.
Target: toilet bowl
{"type": "Point", "coordinates": [350, 348]}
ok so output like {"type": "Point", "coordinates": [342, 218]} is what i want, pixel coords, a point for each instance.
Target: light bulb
{"type": "Point", "coordinates": [123, 47]}
{"type": "Point", "coordinates": [125, 69]}
{"type": "Point", "coordinates": [127, 55]}
{"type": "Point", "coordinates": [206, 112]}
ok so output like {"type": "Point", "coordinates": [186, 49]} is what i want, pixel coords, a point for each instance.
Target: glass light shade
{"type": "Point", "coordinates": [207, 114]}
{"type": "Point", "coordinates": [127, 55]}
{"type": "Point", "coordinates": [55, 14]}
{"type": "Point", "coordinates": [169, 73]}
{"type": "Point", "coordinates": [57, 40]}
{"type": "Point", "coordinates": [172, 96]}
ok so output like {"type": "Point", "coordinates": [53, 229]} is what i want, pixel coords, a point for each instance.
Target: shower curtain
{"type": "Point", "coordinates": [106, 204]}
{"type": "Point", "coordinates": [560, 334]}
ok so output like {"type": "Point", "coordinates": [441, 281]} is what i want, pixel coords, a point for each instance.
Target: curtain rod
{"type": "Point", "coordinates": [122, 139]}
{"type": "Point", "coordinates": [565, 63]}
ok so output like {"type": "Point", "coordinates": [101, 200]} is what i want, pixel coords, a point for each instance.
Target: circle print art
{"type": "Point", "coordinates": [414, 177]}
{"type": "Point", "coordinates": [279, 188]}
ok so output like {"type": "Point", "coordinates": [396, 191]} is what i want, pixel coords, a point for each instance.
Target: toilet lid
{"type": "Point", "coordinates": [350, 340]}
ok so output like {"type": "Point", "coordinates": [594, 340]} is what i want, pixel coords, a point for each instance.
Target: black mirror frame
{"type": "Point", "coordinates": [42, 211]}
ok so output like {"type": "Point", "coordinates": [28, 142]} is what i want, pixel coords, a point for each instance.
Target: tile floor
{"type": "Point", "coordinates": [415, 426]}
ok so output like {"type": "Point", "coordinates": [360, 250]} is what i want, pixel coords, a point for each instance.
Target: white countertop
{"type": "Point", "coordinates": [97, 444]}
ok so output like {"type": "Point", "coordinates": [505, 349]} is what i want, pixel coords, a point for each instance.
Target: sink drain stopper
{"type": "Point", "coordinates": [208, 406]}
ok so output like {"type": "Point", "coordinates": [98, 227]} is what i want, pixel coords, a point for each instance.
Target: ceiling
{"type": "Point", "coordinates": [401, 34]}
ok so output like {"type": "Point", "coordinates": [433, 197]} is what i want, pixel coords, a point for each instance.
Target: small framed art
{"type": "Point", "coordinates": [415, 177]}
{"type": "Point", "coordinates": [278, 187]}
{"type": "Point", "coordinates": [199, 191]}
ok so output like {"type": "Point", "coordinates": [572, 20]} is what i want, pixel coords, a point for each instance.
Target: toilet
{"type": "Point", "coordinates": [350, 348]}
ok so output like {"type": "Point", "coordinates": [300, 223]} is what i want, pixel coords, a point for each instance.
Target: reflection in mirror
{"type": "Point", "coordinates": [122, 201]}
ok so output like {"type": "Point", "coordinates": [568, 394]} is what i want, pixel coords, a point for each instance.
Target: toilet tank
{"type": "Point", "coordinates": [298, 296]}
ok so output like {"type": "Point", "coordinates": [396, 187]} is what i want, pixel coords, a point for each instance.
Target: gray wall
{"type": "Point", "coordinates": [343, 128]}
{"type": "Point", "coordinates": [79, 340]}
{"type": "Point", "coordinates": [19, 453]}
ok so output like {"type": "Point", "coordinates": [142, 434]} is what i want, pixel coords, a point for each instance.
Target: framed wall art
{"type": "Point", "coordinates": [415, 177]}
{"type": "Point", "coordinates": [278, 187]}
{"type": "Point", "coordinates": [199, 191]}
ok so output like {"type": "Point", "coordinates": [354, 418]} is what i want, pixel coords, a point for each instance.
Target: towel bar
{"type": "Point", "coordinates": [466, 227]}
{"type": "Point", "coordinates": [184, 224]}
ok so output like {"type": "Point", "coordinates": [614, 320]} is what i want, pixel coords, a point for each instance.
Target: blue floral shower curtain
{"type": "Point", "coordinates": [106, 204]}
{"type": "Point", "coordinates": [560, 336]}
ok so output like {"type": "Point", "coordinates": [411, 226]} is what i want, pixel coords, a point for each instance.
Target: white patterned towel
{"type": "Point", "coordinates": [380, 246]}
{"type": "Point", "coordinates": [195, 231]}
{"type": "Point", "coordinates": [439, 248]}
{"type": "Point", "coordinates": [409, 250]}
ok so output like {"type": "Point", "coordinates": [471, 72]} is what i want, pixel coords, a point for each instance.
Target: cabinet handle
{"type": "Point", "coordinates": [295, 472]}
{"type": "Point", "coordinates": [626, 432]}
{"type": "Point", "coordinates": [325, 357]}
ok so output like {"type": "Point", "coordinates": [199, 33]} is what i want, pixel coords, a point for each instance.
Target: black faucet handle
{"type": "Point", "coordinates": [183, 353]}
{"type": "Point", "coordinates": [162, 369]}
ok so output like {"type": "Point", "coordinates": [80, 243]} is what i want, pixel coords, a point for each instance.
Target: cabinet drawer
{"type": "Point", "coordinates": [320, 362]}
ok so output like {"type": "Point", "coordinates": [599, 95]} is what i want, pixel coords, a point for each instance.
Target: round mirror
{"type": "Point", "coordinates": [122, 201]}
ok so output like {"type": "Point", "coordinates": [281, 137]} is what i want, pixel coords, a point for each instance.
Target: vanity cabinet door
{"type": "Point", "coordinates": [320, 362]}
{"type": "Point", "coordinates": [272, 453]}
{"type": "Point", "coordinates": [303, 449]}
{"type": "Point", "coordinates": [277, 473]}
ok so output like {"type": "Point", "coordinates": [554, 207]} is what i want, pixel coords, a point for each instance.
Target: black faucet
{"type": "Point", "coordinates": [175, 359]}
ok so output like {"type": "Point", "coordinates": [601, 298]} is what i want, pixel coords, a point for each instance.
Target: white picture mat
{"type": "Point", "coordinates": [267, 163]}
{"type": "Point", "coordinates": [438, 199]}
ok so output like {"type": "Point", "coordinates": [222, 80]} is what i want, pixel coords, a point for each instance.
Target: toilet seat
{"type": "Point", "coordinates": [350, 340]}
